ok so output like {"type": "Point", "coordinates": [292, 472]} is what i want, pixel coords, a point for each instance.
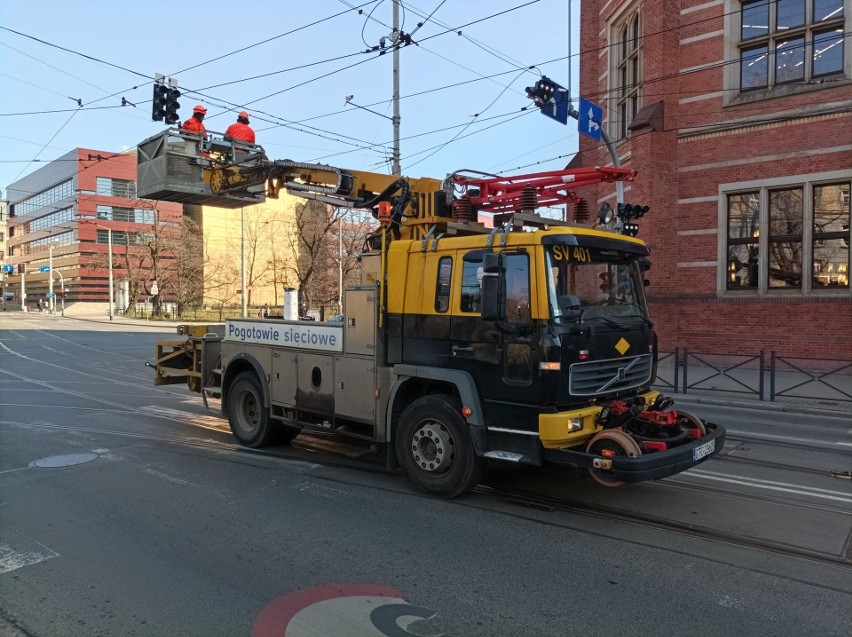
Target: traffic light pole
{"type": "Point", "coordinates": [619, 185]}
{"type": "Point", "coordinates": [24, 291]}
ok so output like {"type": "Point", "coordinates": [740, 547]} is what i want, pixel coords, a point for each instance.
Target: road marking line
{"type": "Point", "coordinates": [750, 436]}
{"type": "Point", "coordinates": [11, 559]}
{"type": "Point", "coordinates": [845, 444]}
{"type": "Point", "coordinates": [771, 488]}
{"type": "Point", "coordinates": [761, 481]}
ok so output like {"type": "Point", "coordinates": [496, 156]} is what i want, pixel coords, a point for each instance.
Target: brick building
{"type": "Point", "coordinates": [737, 116]}
{"type": "Point", "coordinates": [68, 207]}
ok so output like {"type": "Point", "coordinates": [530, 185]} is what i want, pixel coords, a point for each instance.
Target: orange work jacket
{"type": "Point", "coordinates": [240, 131]}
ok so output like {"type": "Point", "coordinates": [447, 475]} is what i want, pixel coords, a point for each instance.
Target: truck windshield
{"type": "Point", "coordinates": [594, 285]}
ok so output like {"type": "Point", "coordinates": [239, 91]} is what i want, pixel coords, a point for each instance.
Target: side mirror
{"type": "Point", "coordinates": [493, 263]}
{"type": "Point", "coordinates": [492, 295]}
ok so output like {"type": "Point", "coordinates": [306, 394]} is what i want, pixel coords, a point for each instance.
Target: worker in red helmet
{"type": "Point", "coordinates": [241, 129]}
{"type": "Point", "coordinates": [194, 123]}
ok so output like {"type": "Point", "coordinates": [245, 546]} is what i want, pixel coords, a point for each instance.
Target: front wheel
{"type": "Point", "coordinates": [611, 443]}
{"type": "Point", "coordinates": [435, 449]}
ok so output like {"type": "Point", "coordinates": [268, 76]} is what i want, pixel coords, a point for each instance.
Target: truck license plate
{"type": "Point", "coordinates": [704, 450]}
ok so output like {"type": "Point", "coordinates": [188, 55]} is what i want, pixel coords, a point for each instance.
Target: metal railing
{"type": "Point", "coordinates": [819, 380]}
{"type": "Point", "coordinates": [784, 377]}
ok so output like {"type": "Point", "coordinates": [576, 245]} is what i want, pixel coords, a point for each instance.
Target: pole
{"type": "Point", "coordinates": [51, 304]}
{"type": "Point", "coordinates": [397, 170]}
{"type": "Point", "coordinates": [61, 287]}
{"type": "Point", "coordinates": [340, 264]}
{"type": "Point", "coordinates": [243, 261]}
{"type": "Point", "coordinates": [111, 300]}
{"type": "Point", "coordinates": [619, 185]}
{"type": "Point", "coordinates": [24, 291]}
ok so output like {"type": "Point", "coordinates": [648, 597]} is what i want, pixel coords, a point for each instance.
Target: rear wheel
{"type": "Point", "coordinates": [249, 419]}
{"type": "Point", "coordinates": [609, 444]}
{"type": "Point", "coordinates": [435, 449]}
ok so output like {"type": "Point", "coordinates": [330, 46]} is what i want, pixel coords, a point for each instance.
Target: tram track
{"type": "Point", "coordinates": [526, 498]}
{"type": "Point", "coordinates": [306, 451]}
{"type": "Point", "coordinates": [309, 451]}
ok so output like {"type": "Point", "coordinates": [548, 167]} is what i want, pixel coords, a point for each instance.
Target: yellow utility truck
{"type": "Point", "coordinates": [525, 340]}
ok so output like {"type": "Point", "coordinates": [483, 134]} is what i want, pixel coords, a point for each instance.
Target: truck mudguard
{"type": "Point", "coordinates": [462, 381]}
{"type": "Point", "coordinates": [228, 374]}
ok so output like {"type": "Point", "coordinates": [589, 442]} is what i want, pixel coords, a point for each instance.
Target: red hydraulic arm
{"type": "Point", "coordinates": [491, 193]}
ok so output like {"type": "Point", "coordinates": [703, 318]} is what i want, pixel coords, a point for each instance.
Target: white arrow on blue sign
{"type": "Point", "coordinates": [44, 268]}
{"type": "Point", "coordinates": [8, 268]}
{"type": "Point", "coordinates": [589, 122]}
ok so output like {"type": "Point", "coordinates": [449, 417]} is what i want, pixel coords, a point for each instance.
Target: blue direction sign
{"type": "Point", "coordinates": [44, 268]}
{"type": "Point", "coordinates": [589, 121]}
{"type": "Point", "coordinates": [8, 268]}
{"type": "Point", "coordinates": [50, 295]}
{"type": "Point", "coordinates": [557, 108]}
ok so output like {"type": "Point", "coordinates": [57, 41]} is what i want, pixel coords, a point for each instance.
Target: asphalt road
{"type": "Point", "coordinates": [126, 509]}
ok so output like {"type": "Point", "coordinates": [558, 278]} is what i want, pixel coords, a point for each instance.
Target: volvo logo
{"type": "Point", "coordinates": [620, 376]}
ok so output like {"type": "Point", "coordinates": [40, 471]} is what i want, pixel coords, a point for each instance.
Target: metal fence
{"type": "Point", "coordinates": [783, 377]}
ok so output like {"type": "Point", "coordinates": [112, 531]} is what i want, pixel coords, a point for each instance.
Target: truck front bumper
{"type": "Point", "coordinates": [651, 466]}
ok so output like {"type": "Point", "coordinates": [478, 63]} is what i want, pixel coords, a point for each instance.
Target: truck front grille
{"type": "Point", "coordinates": [597, 378]}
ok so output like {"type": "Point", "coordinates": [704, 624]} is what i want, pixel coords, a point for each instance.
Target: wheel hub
{"type": "Point", "coordinates": [433, 448]}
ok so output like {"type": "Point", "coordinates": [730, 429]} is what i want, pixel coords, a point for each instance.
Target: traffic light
{"type": "Point", "coordinates": [22, 268]}
{"type": "Point", "coordinates": [630, 229]}
{"type": "Point", "coordinates": [160, 102]}
{"type": "Point", "coordinates": [631, 211]}
{"type": "Point", "coordinates": [542, 92]}
{"type": "Point", "coordinates": [172, 106]}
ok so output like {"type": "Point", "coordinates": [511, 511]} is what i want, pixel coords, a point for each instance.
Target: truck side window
{"type": "Point", "coordinates": [518, 288]}
{"type": "Point", "coordinates": [442, 290]}
{"type": "Point", "coordinates": [471, 290]}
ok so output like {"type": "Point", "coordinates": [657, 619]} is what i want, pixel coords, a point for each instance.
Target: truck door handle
{"type": "Point", "coordinates": [461, 350]}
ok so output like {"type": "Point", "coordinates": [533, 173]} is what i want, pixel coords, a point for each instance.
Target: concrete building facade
{"type": "Point", "coordinates": [737, 116]}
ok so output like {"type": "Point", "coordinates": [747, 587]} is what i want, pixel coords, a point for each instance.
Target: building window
{"type": "Point", "coordinates": [116, 187]}
{"type": "Point", "coordinates": [51, 220]}
{"type": "Point", "coordinates": [831, 236]}
{"type": "Point", "coordinates": [44, 198]}
{"type": "Point", "coordinates": [789, 41]}
{"type": "Point", "coordinates": [43, 245]}
{"type": "Point", "coordinates": [627, 72]}
{"type": "Point", "coordinates": [806, 245]}
{"type": "Point", "coordinates": [442, 290]}
{"type": "Point", "coordinates": [131, 215]}
{"type": "Point", "coordinates": [119, 237]}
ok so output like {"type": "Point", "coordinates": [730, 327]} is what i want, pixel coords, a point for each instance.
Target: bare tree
{"type": "Point", "coordinates": [322, 252]}
{"type": "Point", "coordinates": [221, 279]}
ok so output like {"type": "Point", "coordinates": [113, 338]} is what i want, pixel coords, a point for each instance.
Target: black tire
{"type": "Point", "coordinates": [435, 448]}
{"type": "Point", "coordinates": [248, 418]}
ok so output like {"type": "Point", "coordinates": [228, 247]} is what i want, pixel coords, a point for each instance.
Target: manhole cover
{"type": "Point", "coordinates": [68, 460]}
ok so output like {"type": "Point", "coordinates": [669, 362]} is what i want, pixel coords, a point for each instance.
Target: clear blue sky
{"type": "Point", "coordinates": [296, 116]}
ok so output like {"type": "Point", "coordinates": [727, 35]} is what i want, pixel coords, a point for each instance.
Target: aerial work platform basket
{"type": "Point", "coordinates": [177, 165]}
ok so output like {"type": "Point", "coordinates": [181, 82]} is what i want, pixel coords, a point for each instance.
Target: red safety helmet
{"type": "Point", "coordinates": [200, 109]}
{"type": "Point", "coordinates": [243, 114]}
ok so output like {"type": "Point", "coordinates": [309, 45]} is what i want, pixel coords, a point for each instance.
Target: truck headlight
{"type": "Point", "coordinates": [575, 424]}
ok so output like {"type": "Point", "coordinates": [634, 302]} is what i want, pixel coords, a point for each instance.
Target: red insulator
{"type": "Point", "coordinates": [581, 211]}
{"type": "Point", "coordinates": [529, 199]}
{"type": "Point", "coordinates": [463, 210]}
